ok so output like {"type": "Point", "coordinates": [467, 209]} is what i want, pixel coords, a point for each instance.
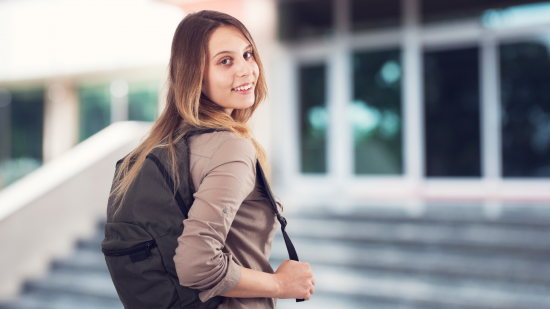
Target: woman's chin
{"type": "Point", "coordinates": [244, 105]}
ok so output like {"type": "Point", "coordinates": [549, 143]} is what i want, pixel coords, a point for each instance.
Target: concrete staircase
{"type": "Point", "coordinates": [80, 281]}
{"type": "Point", "coordinates": [448, 257]}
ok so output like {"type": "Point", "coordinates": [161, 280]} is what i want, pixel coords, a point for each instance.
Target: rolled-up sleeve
{"type": "Point", "coordinates": [229, 178]}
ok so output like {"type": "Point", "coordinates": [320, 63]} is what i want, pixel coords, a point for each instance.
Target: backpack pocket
{"type": "Point", "coordinates": [137, 268]}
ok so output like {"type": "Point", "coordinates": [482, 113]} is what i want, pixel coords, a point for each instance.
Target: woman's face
{"type": "Point", "coordinates": [231, 71]}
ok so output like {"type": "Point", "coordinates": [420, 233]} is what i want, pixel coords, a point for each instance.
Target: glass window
{"type": "Point", "coordinates": [5, 124]}
{"type": "Point", "coordinates": [367, 14]}
{"type": "Point", "coordinates": [143, 101]}
{"type": "Point", "coordinates": [27, 121]}
{"type": "Point", "coordinates": [525, 109]}
{"type": "Point", "coordinates": [304, 18]}
{"type": "Point", "coordinates": [313, 119]}
{"type": "Point", "coordinates": [94, 110]}
{"type": "Point", "coordinates": [438, 10]}
{"type": "Point", "coordinates": [24, 110]}
{"type": "Point", "coordinates": [451, 113]}
{"type": "Point", "coordinates": [375, 112]}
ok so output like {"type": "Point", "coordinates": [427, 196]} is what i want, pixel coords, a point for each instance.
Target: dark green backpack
{"type": "Point", "coordinates": [141, 240]}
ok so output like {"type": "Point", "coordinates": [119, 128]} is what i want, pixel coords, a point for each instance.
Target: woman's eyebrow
{"type": "Point", "coordinates": [228, 52]}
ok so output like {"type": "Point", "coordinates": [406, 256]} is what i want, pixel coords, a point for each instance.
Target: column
{"type": "Point", "coordinates": [60, 119]}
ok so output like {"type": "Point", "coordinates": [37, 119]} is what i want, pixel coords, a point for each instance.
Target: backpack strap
{"type": "Point", "coordinates": [289, 246]}
{"type": "Point", "coordinates": [179, 200]}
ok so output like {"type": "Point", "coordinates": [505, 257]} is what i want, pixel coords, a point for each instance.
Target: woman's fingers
{"type": "Point", "coordinates": [296, 279]}
{"type": "Point", "coordinates": [312, 289]}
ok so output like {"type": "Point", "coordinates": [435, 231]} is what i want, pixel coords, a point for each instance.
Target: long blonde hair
{"type": "Point", "coordinates": [185, 105]}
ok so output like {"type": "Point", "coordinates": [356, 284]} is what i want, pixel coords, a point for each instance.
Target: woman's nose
{"type": "Point", "coordinates": [244, 68]}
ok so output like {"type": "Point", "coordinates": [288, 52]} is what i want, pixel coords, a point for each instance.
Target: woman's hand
{"type": "Point", "coordinates": [295, 280]}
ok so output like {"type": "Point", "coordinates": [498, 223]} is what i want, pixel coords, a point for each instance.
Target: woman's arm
{"type": "Point", "coordinates": [291, 280]}
{"type": "Point", "coordinates": [229, 177]}
{"type": "Point", "coordinates": [200, 262]}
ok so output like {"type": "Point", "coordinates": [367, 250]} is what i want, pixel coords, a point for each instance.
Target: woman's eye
{"type": "Point", "coordinates": [225, 61]}
{"type": "Point", "coordinates": [249, 55]}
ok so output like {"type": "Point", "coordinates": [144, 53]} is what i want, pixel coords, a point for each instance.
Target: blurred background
{"type": "Point", "coordinates": [409, 139]}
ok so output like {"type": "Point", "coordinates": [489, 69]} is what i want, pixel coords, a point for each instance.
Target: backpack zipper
{"type": "Point", "coordinates": [137, 248]}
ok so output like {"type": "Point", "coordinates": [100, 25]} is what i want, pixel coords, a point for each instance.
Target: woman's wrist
{"type": "Point", "coordinates": [277, 286]}
{"type": "Point", "coordinates": [254, 283]}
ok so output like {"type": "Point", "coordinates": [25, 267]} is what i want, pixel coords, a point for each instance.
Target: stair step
{"type": "Point", "coordinates": [427, 278]}
{"type": "Point", "coordinates": [89, 283]}
{"type": "Point", "coordinates": [329, 301]}
{"type": "Point", "coordinates": [83, 259]}
{"type": "Point", "coordinates": [531, 216]}
{"type": "Point", "coordinates": [426, 292]}
{"type": "Point", "coordinates": [48, 300]}
{"type": "Point", "coordinates": [433, 262]}
{"type": "Point", "coordinates": [93, 243]}
{"type": "Point", "coordinates": [433, 234]}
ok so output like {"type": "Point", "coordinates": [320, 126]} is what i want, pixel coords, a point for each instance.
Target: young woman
{"type": "Point", "coordinates": [217, 81]}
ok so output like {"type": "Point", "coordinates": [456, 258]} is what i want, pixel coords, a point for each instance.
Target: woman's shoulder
{"type": "Point", "coordinates": [224, 143]}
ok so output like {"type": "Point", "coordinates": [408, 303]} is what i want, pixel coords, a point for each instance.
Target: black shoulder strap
{"type": "Point", "coordinates": [289, 246]}
{"type": "Point", "coordinates": [179, 200]}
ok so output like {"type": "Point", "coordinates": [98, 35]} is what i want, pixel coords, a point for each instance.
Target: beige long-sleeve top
{"type": "Point", "coordinates": [230, 222]}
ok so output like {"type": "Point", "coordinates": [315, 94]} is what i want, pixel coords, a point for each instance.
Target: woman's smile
{"type": "Point", "coordinates": [247, 88]}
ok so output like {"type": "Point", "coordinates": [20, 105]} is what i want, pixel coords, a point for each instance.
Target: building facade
{"type": "Point", "coordinates": [401, 101]}
{"type": "Point", "coordinates": [413, 101]}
